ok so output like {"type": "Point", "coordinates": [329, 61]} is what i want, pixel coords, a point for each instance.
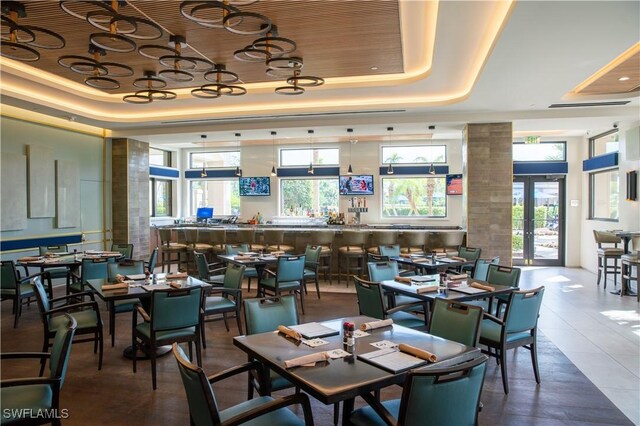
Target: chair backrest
{"type": "Point", "coordinates": [62, 248]}
{"type": "Point", "coordinates": [153, 259]}
{"type": "Point", "coordinates": [201, 265]}
{"type": "Point", "coordinates": [413, 238]}
{"type": "Point", "coordinates": [246, 235]}
{"type": "Point", "coordinates": [233, 276]}
{"type": "Point", "coordinates": [433, 241]}
{"type": "Point", "coordinates": [380, 238]}
{"type": "Point", "coordinates": [235, 248]}
{"type": "Point", "coordinates": [635, 242]}
{"type": "Point", "coordinates": [42, 299]}
{"type": "Point", "coordinates": [262, 315]}
{"type": "Point", "coordinates": [606, 238]}
{"type": "Point", "coordinates": [95, 269]}
{"type": "Point", "coordinates": [322, 238]}
{"type": "Point", "coordinates": [190, 235]}
{"type": "Point", "coordinates": [203, 408]}
{"type": "Point", "coordinates": [165, 235]}
{"type": "Point", "coordinates": [469, 253]}
{"type": "Point", "coordinates": [452, 238]}
{"type": "Point", "coordinates": [173, 309]}
{"type": "Point", "coordinates": [503, 275]}
{"type": "Point", "coordinates": [381, 271]}
{"type": "Point", "coordinates": [455, 321]}
{"type": "Point", "coordinates": [354, 238]}
{"type": "Point", "coordinates": [481, 268]}
{"type": "Point", "coordinates": [523, 310]}
{"type": "Point", "coordinates": [376, 258]}
{"type": "Point", "coordinates": [126, 267]}
{"type": "Point", "coordinates": [61, 349]}
{"type": "Point", "coordinates": [217, 237]}
{"type": "Point", "coordinates": [125, 249]}
{"type": "Point", "coordinates": [447, 396]}
{"type": "Point", "coordinates": [273, 236]}
{"type": "Point", "coordinates": [312, 254]}
{"type": "Point", "coordinates": [290, 268]}
{"type": "Point", "coordinates": [392, 250]}
{"type": "Point", "coordinates": [8, 276]}
{"type": "Point", "coordinates": [370, 299]}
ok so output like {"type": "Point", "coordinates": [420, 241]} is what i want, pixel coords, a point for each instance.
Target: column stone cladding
{"type": "Point", "coordinates": [130, 195]}
{"type": "Point", "coordinates": [488, 165]}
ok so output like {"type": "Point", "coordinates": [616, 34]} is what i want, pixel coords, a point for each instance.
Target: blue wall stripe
{"type": "Point", "coordinates": [600, 162]}
{"type": "Point", "coordinates": [302, 171]}
{"type": "Point", "coordinates": [540, 167]}
{"type": "Point", "coordinates": [195, 174]}
{"type": "Point", "coordinates": [164, 172]}
{"type": "Point", "coordinates": [414, 170]}
{"type": "Point", "coordinates": [37, 242]}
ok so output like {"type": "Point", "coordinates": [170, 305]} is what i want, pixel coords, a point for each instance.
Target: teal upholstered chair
{"type": "Point", "coordinates": [92, 269]}
{"type": "Point", "coordinates": [264, 410]}
{"type": "Point", "coordinates": [503, 275]}
{"type": "Point", "coordinates": [371, 303]}
{"type": "Point", "coordinates": [150, 265]}
{"type": "Point", "coordinates": [38, 393]}
{"type": "Point", "coordinates": [249, 273]}
{"type": "Point", "coordinates": [447, 396]}
{"type": "Point", "coordinates": [376, 258]}
{"type": "Point", "coordinates": [392, 250]}
{"type": "Point", "coordinates": [481, 268]}
{"type": "Point", "coordinates": [384, 271]}
{"type": "Point", "coordinates": [126, 267]}
{"type": "Point", "coordinates": [225, 299]}
{"type": "Point", "coordinates": [125, 249]}
{"type": "Point", "coordinates": [289, 278]}
{"type": "Point", "coordinates": [174, 317]}
{"type": "Point", "coordinates": [56, 273]}
{"type": "Point", "coordinates": [213, 273]}
{"type": "Point", "coordinates": [518, 327]}
{"type": "Point", "coordinates": [17, 288]}
{"type": "Point", "coordinates": [470, 254]}
{"type": "Point", "coordinates": [455, 321]}
{"type": "Point", "coordinates": [311, 266]}
{"type": "Point", "coordinates": [87, 315]}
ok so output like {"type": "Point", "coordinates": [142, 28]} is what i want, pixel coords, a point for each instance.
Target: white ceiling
{"type": "Point", "coordinates": [545, 49]}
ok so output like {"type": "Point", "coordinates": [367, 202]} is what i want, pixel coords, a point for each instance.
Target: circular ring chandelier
{"type": "Point", "coordinates": [151, 92]}
{"type": "Point", "coordinates": [101, 74]}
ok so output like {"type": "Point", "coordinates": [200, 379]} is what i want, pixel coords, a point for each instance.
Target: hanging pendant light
{"type": "Point", "coordinates": [238, 169]}
{"type": "Point", "coordinates": [390, 168]}
{"type": "Point", "coordinates": [203, 173]}
{"type": "Point", "coordinates": [273, 153]}
{"type": "Point", "coordinates": [310, 171]}
{"type": "Point", "coordinates": [432, 169]}
{"type": "Point", "coordinates": [351, 142]}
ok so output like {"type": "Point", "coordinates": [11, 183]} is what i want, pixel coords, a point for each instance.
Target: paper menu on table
{"type": "Point", "coordinates": [392, 360]}
{"type": "Point", "coordinates": [311, 330]}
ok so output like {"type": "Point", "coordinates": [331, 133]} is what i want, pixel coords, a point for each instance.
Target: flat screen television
{"type": "Point", "coordinates": [255, 186]}
{"type": "Point", "coordinates": [454, 184]}
{"type": "Point", "coordinates": [204, 213]}
{"type": "Point", "coordinates": [356, 185]}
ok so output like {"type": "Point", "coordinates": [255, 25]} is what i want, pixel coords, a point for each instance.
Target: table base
{"type": "Point", "coordinates": [143, 354]}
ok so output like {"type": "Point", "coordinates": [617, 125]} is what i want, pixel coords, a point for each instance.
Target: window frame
{"type": "Point", "coordinates": [420, 217]}
{"type": "Point", "coordinates": [192, 167]}
{"type": "Point", "coordinates": [281, 150]}
{"type": "Point", "coordinates": [153, 180]}
{"type": "Point", "coordinates": [592, 199]}
{"type": "Point", "coordinates": [422, 145]}
{"type": "Point", "coordinates": [564, 152]}
{"type": "Point", "coordinates": [592, 141]}
{"type": "Point", "coordinates": [281, 192]}
{"type": "Point", "coordinates": [167, 157]}
{"type": "Point", "coordinates": [223, 179]}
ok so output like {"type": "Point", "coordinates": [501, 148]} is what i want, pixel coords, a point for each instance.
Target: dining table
{"type": "Point", "coordinates": [251, 260]}
{"type": "Point", "coordinates": [343, 379]}
{"type": "Point", "coordinates": [431, 265]}
{"type": "Point", "coordinates": [627, 236]}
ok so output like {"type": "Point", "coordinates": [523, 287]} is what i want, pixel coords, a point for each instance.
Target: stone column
{"type": "Point", "coordinates": [488, 166]}
{"type": "Point", "coordinates": [130, 195]}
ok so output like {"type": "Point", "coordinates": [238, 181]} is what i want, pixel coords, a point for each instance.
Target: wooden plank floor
{"type": "Point", "coordinates": [115, 395]}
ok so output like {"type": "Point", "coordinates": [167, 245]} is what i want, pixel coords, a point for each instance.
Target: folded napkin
{"type": "Point", "coordinates": [426, 289]}
{"type": "Point", "coordinates": [307, 360]}
{"type": "Point", "coordinates": [242, 257]}
{"type": "Point", "coordinates": [177, 275]}
{"type": "Point", "coordinates": [458, 277]}
{"type": "Point", "coordinates": [482, 286]}
{"type": "Point", "coordinates": [115, 286]}
{"type": "Point", "coordinates": [405, 280]}
{"type": "Point", "coordinates": [175, 284]}
{"type": "Point", "coordinates": [461, 259]}
{"type": "Point", "coordinates": [376, 324]}
{"type": "Point", "coordinates": [420, 259]}
{"type": "Point", "coordinates": [289, 332]}
{"type": "Point", "coordinates": [408, 255]}
{"type": "Point", "coordinates": [120, 278]}
{"type": "Point", "coordinates": [417, 352]}
{"type": "Point", "coordinates": [110, 253]}
{"type": "Point", "coordinates": [30, 258]}
{"type": "Point", "coordinates": [277, 253]}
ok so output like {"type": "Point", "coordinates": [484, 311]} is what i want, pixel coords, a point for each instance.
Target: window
{"type": "Point", "coordinates": [222, 195]}
{"type": "Point", "coordinates": [419, 154]}
{"type": "Point", "coordinates": [300, 197]}
{"type": "Point", "coordinates": [414, 197]}
{"type": "Point", "coordinates": [214, 159]}
{"type": "Point", "coordinates": [159, 157]}
{"type": "Point", "coordinates": [303, 156]}
{"type": "Point", "coordinates": [604, 194]}
{"type": "Point", "coordinates": [604, 143]}
{"type": "Point", "coordinates": [160, 204]}
{"type": "Point", "coordinates": [543, 151]}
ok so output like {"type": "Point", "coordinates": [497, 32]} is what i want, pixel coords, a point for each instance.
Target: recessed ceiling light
{"type": "Point", "coordinates": [623, 79]}
{"type": "Point", "coordinates": [373, 68]}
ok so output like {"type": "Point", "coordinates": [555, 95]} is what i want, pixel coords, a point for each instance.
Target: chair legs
{"type": "Point", "coordinates": [605, 268]}
{"type": "Point", "coordinates": [503, 370]}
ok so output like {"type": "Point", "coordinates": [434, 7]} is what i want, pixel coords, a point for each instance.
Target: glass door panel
{"type": "Point", "coordinates": [517, 238]}
{"type": "Point", "coordinates": [546, 222]}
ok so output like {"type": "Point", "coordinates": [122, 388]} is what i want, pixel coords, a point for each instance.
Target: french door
{"type": "Point", "coordinates": [538, 220]}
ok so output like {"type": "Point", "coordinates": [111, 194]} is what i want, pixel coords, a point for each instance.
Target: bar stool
{"type": "Point", "coordinates": [274, 241]}
{"type": "Point", "coordinates": [248, 236]}
{"type": "Point", "coordinates": [354, 249]}
{"type": "Point", "coordinates": [324, 239]}
{"type": "Point", "coordinates": [202, 244]}
{"type": "Point", "coordinates": [451, 242]}
{"type": "Point", "coordinates": [169, 248]}
{"type": "Point", "coordinates": [413, 242]}
{"type": "Point", "coordinates": [432, 242]}
{"type": "Point", "coordinates": [218, 240]}
{"type": "Point", "coordinates": [605, 254]}
{"type": "Point", "coordinates": [382, 238]}
{"type": "Point", "coordinates": [629, 262]}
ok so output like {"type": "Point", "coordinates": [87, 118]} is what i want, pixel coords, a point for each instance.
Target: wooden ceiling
{"type": "Point", "coordinates": [624, 77]}
{"type": "Point", "coordinates": [335, 38]}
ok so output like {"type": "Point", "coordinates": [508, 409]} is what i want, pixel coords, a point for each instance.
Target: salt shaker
{"type": "Point", "coordinates": [351, 328]}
